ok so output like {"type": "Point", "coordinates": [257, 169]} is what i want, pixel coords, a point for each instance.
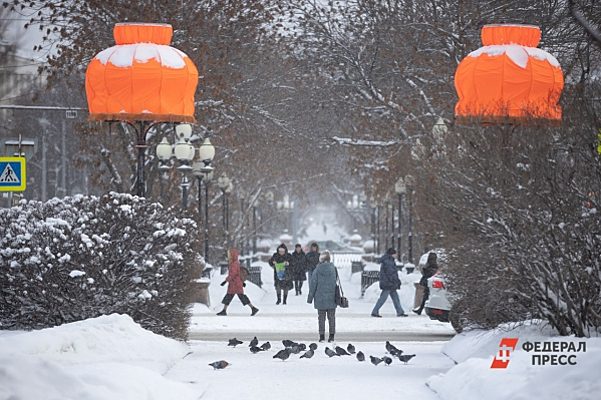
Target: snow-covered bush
{"type": "Point", "coordinates": [80, 257]}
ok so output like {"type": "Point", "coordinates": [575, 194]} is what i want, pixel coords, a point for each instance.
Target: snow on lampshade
{"type": "Point", "coordinates": [509, 77]}
{"type": "Point", "coordinates": [141, 77]}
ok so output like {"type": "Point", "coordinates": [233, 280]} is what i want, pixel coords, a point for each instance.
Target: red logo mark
{"type": "Point", "coordinates": [501, 359]}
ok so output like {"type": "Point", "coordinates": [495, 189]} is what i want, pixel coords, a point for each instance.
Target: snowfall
{"type": "Point", "coordinates": [111, 357]}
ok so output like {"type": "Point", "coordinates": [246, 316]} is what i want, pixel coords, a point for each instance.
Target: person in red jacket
{"type": "Point", "coordinates": [235, 284]}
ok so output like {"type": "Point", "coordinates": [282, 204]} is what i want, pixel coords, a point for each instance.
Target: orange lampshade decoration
{"type": "Point", "coordinates": [509, 77]}
{"type": "Point", "coordinates": [142, 78]}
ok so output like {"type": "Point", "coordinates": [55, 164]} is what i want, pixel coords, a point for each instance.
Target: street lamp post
{"type": "Point", "coordinates": [202, 169]}
{"type": "Point", "coordinates": [378, 234]}
{"type": "Point", "coordinates": [225, 185]}
{"type": "Point", "coordinates": [410, 181]}
{"type": "Point", "coordinates": [373, 206]}
{"type": "Point", "coordinates": [183, 152]}
{"type": "Point", "coordinates": [288, 207]}
{"type": "Point", "coordinates": [386, 229]}
{"type": "Point", "coordinates": [255, 205]}
{"type": "Point", "coordinates": [353, 206]}
{"type": "Point", "coordinates": [400, 188]}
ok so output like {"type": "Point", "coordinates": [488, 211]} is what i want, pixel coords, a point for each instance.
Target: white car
{"type": "Point", "coordinates": [438, 306]}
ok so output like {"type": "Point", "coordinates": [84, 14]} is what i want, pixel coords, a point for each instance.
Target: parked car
{"type": "Point", "coordinates": [438, 305]}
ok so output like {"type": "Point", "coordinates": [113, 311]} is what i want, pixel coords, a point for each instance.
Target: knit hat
{"type": "Point", "coordinates": [391, 251]}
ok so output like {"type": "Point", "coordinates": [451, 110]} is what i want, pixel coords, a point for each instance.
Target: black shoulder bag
{"type": "Point", "coordinates": [341, 301]}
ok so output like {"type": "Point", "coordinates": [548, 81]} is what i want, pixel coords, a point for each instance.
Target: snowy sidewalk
{"type": "Point", "coordinates": [298, 320]}
{"type": "Point", "coordinates": [256, 376]}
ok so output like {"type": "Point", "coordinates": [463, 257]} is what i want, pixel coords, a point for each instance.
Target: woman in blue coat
{"type": "Point", "coordinates": [322, 293]}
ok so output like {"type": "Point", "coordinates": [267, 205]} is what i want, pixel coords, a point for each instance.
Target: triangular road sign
{"type": "Point", "coordinates": [8, 175]}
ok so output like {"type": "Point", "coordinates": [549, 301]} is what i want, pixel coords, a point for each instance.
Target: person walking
{"type": "Point", "coordinates": [282, 278]}
{"type": "Point", "coordinates": [312, 259]}
{"type": "Point", "coordinates": [298, 268]}
{"type": "Point", "coordinates": [428, 271]}
{"type": "Point", "coordinates": [322, 293]}
{"type": "Point", "coordinates": [235, 285]}
{"type": "Point", "coordinates": [389, 284]}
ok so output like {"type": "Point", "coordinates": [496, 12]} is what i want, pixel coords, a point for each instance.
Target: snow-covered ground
{"type": "Point", "coordinates": [300, 318]}
{"type": "Point", "coordinates": [472, 377]}
{"type": "Point", "coordinates": [104, 358]}
{"type": "Point", "coordinates": [259, 376]}
{"type": "Point", "coordinates": [111, 357]}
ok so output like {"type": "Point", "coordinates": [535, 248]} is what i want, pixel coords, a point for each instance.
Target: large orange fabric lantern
{"type": "Point", "coordinates": [509, 77]}
{"type": "Point", "coordinates": [142, 78]}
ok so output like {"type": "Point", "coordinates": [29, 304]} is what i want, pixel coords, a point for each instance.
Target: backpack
{"type": "Point", "coordinates": [244, 274]}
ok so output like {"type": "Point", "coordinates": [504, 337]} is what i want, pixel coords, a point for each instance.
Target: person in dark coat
{"type": "Point", "coordinates": [429, 270]}
{"type": "Point", "coordinates": [282, 277]}
{"type": "Point", "coordinates": [298, 268]}
{"type": "Point", "coordinates": [312, 259]}
{"type": "Point", "coordinates": [235, 284]}
{"type": "Point", "coordinates": [322, 293]}
{"type": "Point", "coordinates": [389, 284]}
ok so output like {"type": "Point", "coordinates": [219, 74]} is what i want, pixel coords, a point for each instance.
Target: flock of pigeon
{"type": "Point", "coordinates": [291, 347]}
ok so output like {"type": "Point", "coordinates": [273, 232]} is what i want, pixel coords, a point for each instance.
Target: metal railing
{"type": "Point", "coordinates": [254, 276]}
{"type": "Point", "coordinates": [367, 279]}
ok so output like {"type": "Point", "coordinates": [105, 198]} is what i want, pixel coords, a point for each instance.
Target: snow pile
{"type": "Point", "coordinates": [484, 343]}
{"type": "Point", "coordinates": [473, 378]}
{"type": "Point", "coordinates": [110, 357]}
{"type": "Point", "coordinates": [516, 53]}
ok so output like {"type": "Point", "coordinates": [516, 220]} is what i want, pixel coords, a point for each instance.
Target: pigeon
{"type": "Point", "coordinates": [330, 353]}
{"type": "Point", "coordinates": [234, 342]}
{"type": "Point", "coordinates": [405, 358]}
{"type": "Point", "coordinates": [313, 346]}
{"type": "Point", "coordinates": [302, 346]}
{"type": "Point", "coordinates": [341, 352]}
{"type": "Point", "coordinates": [387, 360]}
{"type": "Point", "coordinates": [253, 342]}
{"type": "Point", "coordinates": [392, 350]}
{"type": "Point", "coordinates": [282, 354]}
{"type": "Point", "coordinates": [266, 346]}
{"type": "Point", "coordinates": [288, 343]}
{"type": "Point", "coordinates": [294, 349]}
{"type": "Point", "coordinates": [219, 364]}
{"type": "Point", "coordinates": [360, 356]}
{"type": "Point", "coordinates": [350, 348]}
{"type": "Point", "coordinates": [375, 360]}
{"type": "Point", "coordinates": [308, 354]}
{"type": "Point", "coordinates": [255, 349]}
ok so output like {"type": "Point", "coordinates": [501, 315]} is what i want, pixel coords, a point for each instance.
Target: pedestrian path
{"type": "Point", "coordinates": [299, 318]}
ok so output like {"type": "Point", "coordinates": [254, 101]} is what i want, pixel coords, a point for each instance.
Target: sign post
{"type": "Point", "coordinates": [13, 176]}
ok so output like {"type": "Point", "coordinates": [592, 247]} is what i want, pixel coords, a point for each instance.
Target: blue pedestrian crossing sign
{"type": "Point", "coordinates": [13, 176]}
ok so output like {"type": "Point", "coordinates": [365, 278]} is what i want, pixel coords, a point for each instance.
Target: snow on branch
{"type": "Point", "coordinates": [364, 143]}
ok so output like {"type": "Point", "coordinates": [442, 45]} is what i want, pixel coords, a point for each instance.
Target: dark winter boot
{"type": "Point", "coordinates": [331, 338]}
{"type": "Point", "coordinates": [285, 297]}
{"type": "Point", "coordinates": [254, 310]}
{"type": "Point", "coordinates": [322, 338]}
{"type": "Point", "coordinates": [222, 313]}
{"type": "Point", "coordinates": [279, 300]}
